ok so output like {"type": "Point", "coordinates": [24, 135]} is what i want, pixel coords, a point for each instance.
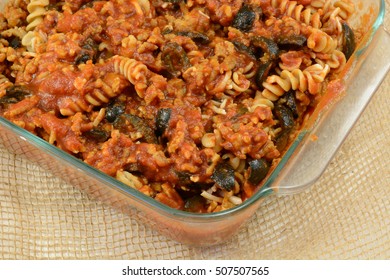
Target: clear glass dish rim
{"type": "Point", "coordinates": [150, 202]}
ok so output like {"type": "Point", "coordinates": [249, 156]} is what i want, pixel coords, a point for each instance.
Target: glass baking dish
{"type": "Point", "coordinates": [302, 164]}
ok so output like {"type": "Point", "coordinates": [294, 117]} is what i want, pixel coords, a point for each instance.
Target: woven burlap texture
{"type": "Point", "coordinates": [344, 215]}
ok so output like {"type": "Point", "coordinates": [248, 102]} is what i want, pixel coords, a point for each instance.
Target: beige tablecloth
{"type": "Point", "coordinates": [345, 215]}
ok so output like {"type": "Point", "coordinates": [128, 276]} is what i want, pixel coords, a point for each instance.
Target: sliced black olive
{"type": "Point", "coordinates": [258, 169]}
{"type": "Point", "coordinates": [99, 135]}
{"type": "Point", "coordinates": [174, 59]}
{"type": "Point", "coordinates": [285, 116]}
{"type": "Point", "coordinates": [173, 1]}
{"type": "Point", "coordinates": [121, 123]}
{"type": "Point", "coordinates": [82, 58]}
{"type": "Point", "coordinates": [282, 139]}
{"type": "Point", "coordinates": [267, 62]}
{"type": "Point", "coordinates": [131, 167]}
{"type": "Point", "coordinates": [14, 42]}
{"type": "Point", "coordinates": [286, 119]}
{"type": "Point", "coordinates": [197, 37]}
{"type": "Point", "coordinates": [162, 120]}
{"type": "Point", "coordinates": [195, 204]}
{"type": "Point", "coordinates": [184, 178]}
{"type": "Point", "coordinates": [128, 123]}
{"type": "Point", "coordinates": [244, 19]}
{"type": "Point", "coordinates": [187, 188]}
{"type": "Point", "coordinates": [267, 45]}
{"type": "Point", "coordinates": [349, 43]}
{"type": "Point", "coordinates": [262, 73]}
{"type": "Point", "coordinates": [14, 94]}
{"type": "Point", "coordinates": [223, 175]}
{"type": "Point", "coordinates": [142, 126]}
{"type": "Point", "coordinates": [90, 44]}
{"type": "Point", "coordinates": [291, 42]}
{"type": "Point", "coordinates": [244, 49]}
{"type": "Point", "coordinates": [114, 110]}
{"type": "Point", "coordinates": [89, 52]}
{"type": "Point", "coordinates": [167, 30]}
{"type": "Point", "coordinates": [291, 102]}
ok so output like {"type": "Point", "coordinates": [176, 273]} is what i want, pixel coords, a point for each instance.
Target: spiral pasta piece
{"type": "Point", "coordinates": [71, 107]}
{"type": "Point", "coordinates": [249, 71]}
{"type": "Point", "coordinates": [332, 23]}
{"type": "Point", "coordinates": [324, 5]}
{"type": "Point", "coordinates": [101, 94]}
{"type": "Point", "coordinates": [309, 79]}
{"type": "Point", "coordinates": [261, 101]}
{"type": "Point", "coordinates": [218, 107]}
{"type": "Point", "coordinates": [294, 60]}
{"type": "Point", "coordinates": [29, 41]}
{"type": "Point", "coordinates": [36, 8]}
{"type": "Point", "coordinates": [223, 83]}
{"type": "Point", "coordinates": [319, 41]}
{"type": "Point", "coordinates": [239, 82]}
{"type": "Point", "coordinates": [134, 71]}
{"type": "Point", "coordinates": [332, 12]}
{"type": "Point", "coordinates": [306, 15]}
{"type": "Point", "coordinates": [346, 8]}
{"type": "Point", "coordinates": [16, 31]}
{"type": "Point", "coordinates": [335, 61]}
{"type": "Point", "coordinates": [195, 56]}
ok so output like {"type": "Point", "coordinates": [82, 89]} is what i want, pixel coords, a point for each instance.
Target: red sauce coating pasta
{"type": "Point", "coordinates": [190, 102]}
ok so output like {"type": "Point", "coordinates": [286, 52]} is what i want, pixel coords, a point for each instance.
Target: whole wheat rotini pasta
{"type": "Point", "coordinates": [192, 103]}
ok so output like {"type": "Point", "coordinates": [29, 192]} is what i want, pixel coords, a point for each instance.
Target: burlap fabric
{"type": "Point", "coordinates": [345, 215]}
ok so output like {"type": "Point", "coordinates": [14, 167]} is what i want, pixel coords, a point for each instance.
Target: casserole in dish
{"type": "Point", "coordinates": [213, 227]}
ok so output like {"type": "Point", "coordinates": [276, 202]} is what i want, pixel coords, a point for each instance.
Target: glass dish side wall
{"type": "Point", "coordinates": [196, 229]}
